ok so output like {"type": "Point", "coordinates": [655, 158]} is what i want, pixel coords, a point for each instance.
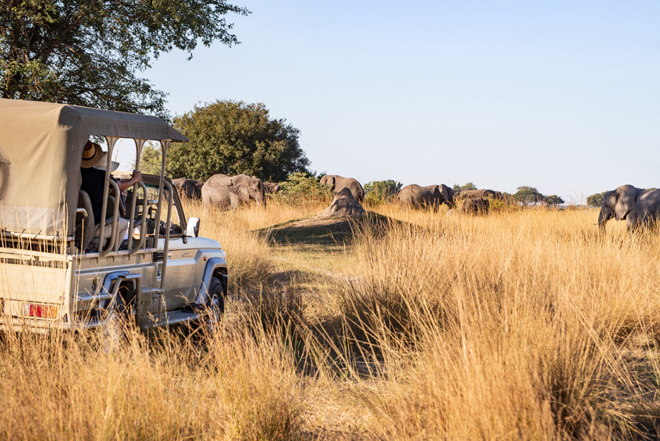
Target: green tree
{"type": "Point", "coordinates": [382, 191]}
{"type": "Point", "coordinates": [151, 161]}
{"type": "Point", "coordinates": [88, 52]}
{"type": "Point", "coordinates": [233, 137]}
{"type": "Point", "coordinates": [467, 186]}
{"type": "Point", "coordinates": [553, 200]}
{"type": "Point", "coordinates": [528, 195]}
{"type": "Point", "coordinates": [596, 199]}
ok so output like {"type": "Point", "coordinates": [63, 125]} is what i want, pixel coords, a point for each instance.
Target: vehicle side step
{"type": "Point", "coordinates": [175, 318]}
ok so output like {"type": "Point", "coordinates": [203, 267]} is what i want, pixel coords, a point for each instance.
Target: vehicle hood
{"type": "Point", "coordinates": [193, 243]}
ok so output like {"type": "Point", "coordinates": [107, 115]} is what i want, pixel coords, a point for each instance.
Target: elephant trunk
{"type": "Point", "coordinates": [603, 217]}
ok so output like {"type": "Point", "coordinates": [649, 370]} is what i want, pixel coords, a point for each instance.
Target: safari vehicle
{"type": "Point", "coordinates": [52, 273]}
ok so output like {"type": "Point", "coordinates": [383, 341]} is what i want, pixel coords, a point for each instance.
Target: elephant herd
{"type": "Point", "coordinates": [637, 206]}
{"type": "Point", "coordinates": [226, 191]}
{"type": "Point", "coordinates": [432, 196]}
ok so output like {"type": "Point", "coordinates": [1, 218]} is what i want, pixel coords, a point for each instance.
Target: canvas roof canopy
{"type": "Point", "coordinates": [41, 148]}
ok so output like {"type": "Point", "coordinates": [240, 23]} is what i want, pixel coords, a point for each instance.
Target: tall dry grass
{"type": "Point", "coordinates": [237, 385]}
{"type": "Point", "coordinates": [511, 326]}
{"type": "Point", "coordinates": [519, 325]}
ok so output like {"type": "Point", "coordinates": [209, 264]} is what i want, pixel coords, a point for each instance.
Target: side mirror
{"type": "Point", "coordinates": [192, 229]}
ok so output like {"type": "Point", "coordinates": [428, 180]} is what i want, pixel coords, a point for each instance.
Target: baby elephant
{"type": "Point", "coordinates": [475, 206]}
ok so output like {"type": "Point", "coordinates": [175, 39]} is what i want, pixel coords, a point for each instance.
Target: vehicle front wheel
{"type": "Point", "coordinates": [215, 305]}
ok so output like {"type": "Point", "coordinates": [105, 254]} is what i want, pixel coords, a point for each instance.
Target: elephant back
{"type": "Point", "coordinates": [409, 194]}
{"type": "Point", "coordinates": [475, 206]}
{"type": "Point", "coordinates": [241, 189]}
{"type": "Point", "coordinates": [337, 183]}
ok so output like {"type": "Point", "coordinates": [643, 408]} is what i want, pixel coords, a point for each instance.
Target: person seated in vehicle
{"type": "Point", "coordinates": [92, 170]}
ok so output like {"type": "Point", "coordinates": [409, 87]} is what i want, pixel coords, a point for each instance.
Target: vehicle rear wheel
{"type": "Point", "coordinates": [118, 317]}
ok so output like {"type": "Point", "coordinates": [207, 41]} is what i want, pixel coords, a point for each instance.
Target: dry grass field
{"type": "Point", "coordinates": [522, 324]}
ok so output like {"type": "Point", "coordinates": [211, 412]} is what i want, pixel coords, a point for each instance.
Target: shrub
{"type": "Point", "coordinates": [302, 186]}
{"type": "Point", "coordinates": [381, 191]}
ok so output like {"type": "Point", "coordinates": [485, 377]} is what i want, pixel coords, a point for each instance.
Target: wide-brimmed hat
{"type": "Point", "coordinates": [102, 165]}
{"type": "Point", "coordinates": [92, 155]}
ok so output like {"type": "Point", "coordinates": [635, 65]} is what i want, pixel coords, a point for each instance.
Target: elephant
{"type": "Point", "coordinates": [231, 192]}
{"type": "Point", "coordinates": [337, 182]}
{"type": "Point", "coordinates": [188, 188]}
{"type": "Point", "coordinates": [638, 207]}
{"type": "Point", "coordinates": [474, 206]}
{"type": "Point", "coordinates": [416, 196]}
{"type": "Point", "coordinates": [271, 187]}
{"type": "Point", "coordinates": [481, 193]}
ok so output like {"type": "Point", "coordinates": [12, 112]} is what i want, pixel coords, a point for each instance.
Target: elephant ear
{"type": "Point", "coordinates": [626, 197]}
{"type": "Point", "coordinates": [447, 192]}
{"type": "Point", "coordinates": [328, 180]}
{"type": "Point", "coordinates": [243, 192]}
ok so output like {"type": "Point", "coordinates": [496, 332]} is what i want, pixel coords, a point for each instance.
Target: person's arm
{"type": "Point", "coordinates": [125, 185]}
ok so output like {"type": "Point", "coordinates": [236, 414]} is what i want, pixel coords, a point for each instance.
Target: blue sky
{"type": "Point", "coordinates": [560, 95]}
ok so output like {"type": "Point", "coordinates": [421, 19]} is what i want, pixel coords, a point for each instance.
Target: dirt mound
{"type": "Point", "coordinates": [344, 204]}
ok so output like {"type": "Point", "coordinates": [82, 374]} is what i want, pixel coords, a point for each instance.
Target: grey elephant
{"type": "Point", "coordinates": [481, 193]}
{"type": "Point", "coordinates": [638, 207]}
{"type": "Point", "coordinates": [337, 183]}
{"type": "Point", "coordinates": [188, 188]}
{"type": "Point", "coordinates": [432, 196]}
{"type": "Point", "coordinates": [271, 187]}
{"type": "Point", "coordinates": [231, 192]}
{"type": "Point", "coordinates": [474, 206]}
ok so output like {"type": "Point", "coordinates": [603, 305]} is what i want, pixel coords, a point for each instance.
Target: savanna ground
{"type": "Point", "coordinates": [524, 324]}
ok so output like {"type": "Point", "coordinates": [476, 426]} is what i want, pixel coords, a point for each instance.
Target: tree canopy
{"type": "Point", "coordinates": [88, 52]}
{"type": "Point", "coordinates": [528, 195]}
{"type": "Point", "coordinates": [151, 159]}
{"type": "Point", "coordinates": [234, 137]}
{"type": "Point", "coordinates": [467, 186]}
{"type": "Point", "coordinates": [596, 199]}
{"type": "Point", "coordinates": [553, 199]}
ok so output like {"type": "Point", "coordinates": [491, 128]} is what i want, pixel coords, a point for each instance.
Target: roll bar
{"type": "Point", "coordinates": [112, 245]}
{"type": "Point", "coordinates": [162, 184]}
{"type": "Point", "coordinates": [143, 231]}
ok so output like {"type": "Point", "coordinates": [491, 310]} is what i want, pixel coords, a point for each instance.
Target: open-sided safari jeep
{"type": "Point", "coordinates": [53, 272]}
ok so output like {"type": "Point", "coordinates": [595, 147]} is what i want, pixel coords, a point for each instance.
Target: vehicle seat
{"type": "Point", "coordinates": [85, 226]}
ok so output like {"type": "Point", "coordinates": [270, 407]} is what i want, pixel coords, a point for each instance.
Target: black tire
{"type": "Point", "coordinates": [119, 316]}
{"type": "Point", "coordinates": [215, 305]}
